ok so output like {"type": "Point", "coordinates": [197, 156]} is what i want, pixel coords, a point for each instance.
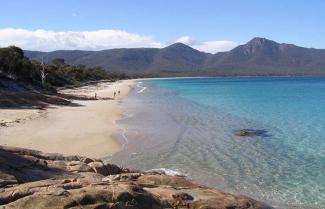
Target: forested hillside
{"type": "Point", "coordinates": [14, 65]}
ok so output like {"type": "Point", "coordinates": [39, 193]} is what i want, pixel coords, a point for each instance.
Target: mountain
{"type": "Point", "coordinates": [259, 56]}
{"type": "Point", "coordinates": [265, 57]}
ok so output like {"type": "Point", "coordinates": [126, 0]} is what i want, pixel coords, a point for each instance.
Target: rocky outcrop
{"type": "Point", "coordinates": [32, 179]}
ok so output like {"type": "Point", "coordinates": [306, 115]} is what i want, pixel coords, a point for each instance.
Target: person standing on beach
{"type": "Point", "coordinates": [119, 92]}
{"type": "Point", "coordinates": [114, 94]}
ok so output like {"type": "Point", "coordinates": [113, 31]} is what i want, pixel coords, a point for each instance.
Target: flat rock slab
{"type": "Point", "coordinates": [31, 179]}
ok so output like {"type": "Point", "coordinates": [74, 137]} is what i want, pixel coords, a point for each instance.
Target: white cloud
{"type": "Point", "coordinates": [208, 46]}
{"type": "Point", "coordinates": [186, 40]}
{"type": "Point", "coordinates": [74, 14]}
{"type": "Point", "coordinates": [47, 40]}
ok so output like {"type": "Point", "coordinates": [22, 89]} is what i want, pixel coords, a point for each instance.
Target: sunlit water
{"type": "Point", "coordinates": [188, 125]}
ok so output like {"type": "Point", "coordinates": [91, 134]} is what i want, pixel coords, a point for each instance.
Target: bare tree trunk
{"type": "Point", "coordinates": [11, 71]}
{"type": "Point", "coordinates": [43, 74]}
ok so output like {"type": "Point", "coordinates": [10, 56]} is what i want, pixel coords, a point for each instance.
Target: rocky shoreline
{"type": "Point", "coordinates": [33, 179]}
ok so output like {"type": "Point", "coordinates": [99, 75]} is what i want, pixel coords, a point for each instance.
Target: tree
{"type": "Point", "coordinates": [58, 62]}
{"type": "Point", "coordinates": [15, 65]}
{"type": "Point", "coordinates": [43, 73]}
{"type": "Point", "coordinates": [11, 60]}
{"type": "Point", "coordinates": [18, 51]}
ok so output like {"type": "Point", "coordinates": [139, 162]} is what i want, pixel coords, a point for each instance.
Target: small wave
{"type": "Point", "coordinates": [140, 86]}
{"type": "Point", "coordinates": [142, 90]}
{"type": "Point", "coordinates": [126, 140]}
{"type": "Point", "coordinates": [167, 171]}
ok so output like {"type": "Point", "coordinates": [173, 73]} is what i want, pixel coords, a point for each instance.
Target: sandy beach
{"type": "Point", "coordinates": [84, 128]}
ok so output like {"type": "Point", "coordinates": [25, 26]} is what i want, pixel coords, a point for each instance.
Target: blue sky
{"type": "Point", "coordinates": [163, 22]}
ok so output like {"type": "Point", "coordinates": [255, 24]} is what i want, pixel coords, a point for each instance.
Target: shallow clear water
{"type": "Point", "coordinates": [188, 125]}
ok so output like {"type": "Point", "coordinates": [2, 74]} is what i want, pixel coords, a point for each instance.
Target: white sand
{"type": "Point", "coordinates": [84, 129]}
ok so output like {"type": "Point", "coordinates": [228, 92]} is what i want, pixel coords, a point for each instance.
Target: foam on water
{"type": "Point", "coordinates": [143, 88]}
{"type": "Point", "coordinates": [187, 125]}
{"type": "Point", "coordinates": [166, 171]}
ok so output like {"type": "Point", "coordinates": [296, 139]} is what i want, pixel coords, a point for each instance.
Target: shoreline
{"type": "Point", "coordinates": [59, 181]}
{"type": "Point", "coordinates": [138, 158]}
{"type": "Point", "coordinates": [86, 127]}
{"type": "Point", "coordinates": [102, 90]}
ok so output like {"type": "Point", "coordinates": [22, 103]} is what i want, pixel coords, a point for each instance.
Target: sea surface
{"type": "Point", "coordinates": [187, 125]}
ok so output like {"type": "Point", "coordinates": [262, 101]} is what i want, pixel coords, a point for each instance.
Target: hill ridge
{"type": "Point", "coordinates": [259, 56]}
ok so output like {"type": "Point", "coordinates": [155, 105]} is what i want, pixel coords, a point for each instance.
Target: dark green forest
{"type": "Point", "coordinates": [15, 65]}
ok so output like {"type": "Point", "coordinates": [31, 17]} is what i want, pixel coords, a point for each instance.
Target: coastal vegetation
{"type": "Point", "coordinates": [16, 66]}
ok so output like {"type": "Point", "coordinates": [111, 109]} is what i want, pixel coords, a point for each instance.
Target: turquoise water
{"type": "Point", "coordinates": [188, 125]}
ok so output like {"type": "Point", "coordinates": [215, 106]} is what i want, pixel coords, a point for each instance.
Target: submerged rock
{"type": "Point", "coordinates": [251, 132]}
{"type": "Point", "coordinates": [79, 182]}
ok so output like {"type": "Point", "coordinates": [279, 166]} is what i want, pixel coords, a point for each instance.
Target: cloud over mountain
{"type": "Point", "coordinates": [47, 40]}
{"type": "Point", "coordinates": [208, 46]}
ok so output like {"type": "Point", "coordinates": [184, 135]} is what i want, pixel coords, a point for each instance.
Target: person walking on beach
{"type": "Point", "coordinates": [95, 95]}
{"type": "Point", "coordinates": [119, 92]}
{"type": "Point", "coordinates": [114, 94]}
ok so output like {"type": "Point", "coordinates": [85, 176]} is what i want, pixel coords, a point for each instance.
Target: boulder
{"type": "Point", "coordinates": [99, 167]}
{"type": "Point", "coordinates": [78, 166]}
{"type": "Point", "coordinates": [7, 179]}
{"type": "Point", "coordinates": [113, 169]}
{"type": "Point", "coordinates": [87, 160]}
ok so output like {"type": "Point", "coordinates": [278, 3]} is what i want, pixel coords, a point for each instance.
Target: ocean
{"type": "Point", "coordinates": [187, 126]}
